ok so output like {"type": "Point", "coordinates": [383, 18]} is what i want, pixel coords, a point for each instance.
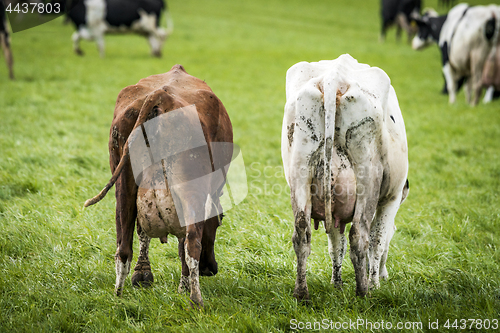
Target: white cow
{"type": "Point", "coordinates": [467, 38]}
{"type": "Point", "coordinates": [346, 114]}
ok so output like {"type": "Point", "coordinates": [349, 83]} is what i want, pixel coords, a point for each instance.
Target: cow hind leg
{"type": "Point", "coordinates": [126, 213]}
{"type": "Point", "coordinates": [476, 82]}
{"type": "Point", "coordinates": [301, 239]}
{"type": "Point", "coordinates": [337, 245]}
{"type": "Point", "coordinates": [358, 238]}
{"type": "Point", "coordinates": [451, 83]}
{"type": "Point", "coordinates": [184, 283]}
{"type": "Point", "coordinates": [383, 269]}
{"type": "Point", "coordinates": [381, 232]}
{"type": "Point", "coordinates": [4, 40]}
{"type": "Point", "coordinates": [192, 249]}
{"type": "Point", "coordinates": [122, 270]}
{"type": "Point", "coordinates": [488, 97]}
{"type": "Point", "coordinates": [142, 277]}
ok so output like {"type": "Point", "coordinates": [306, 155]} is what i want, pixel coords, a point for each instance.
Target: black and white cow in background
{"type": "Point", "coordinates": [5, 40]}
{"type": "Point", "coordinates": [466, 37]}
{"type": "Point", "coordinates": [345, 158]}
{"type": "Point", "coordinates": [94, 18]}
{"type": "Point", "coordinates": [399, 12]}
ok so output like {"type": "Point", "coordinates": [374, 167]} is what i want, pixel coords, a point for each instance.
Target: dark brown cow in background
{"type": "Point", "coordinates": [5, 40]}
{"type": "Point", "coordinates": [400, 13]}
{"type": "Point", "coordinates": [197, 211]}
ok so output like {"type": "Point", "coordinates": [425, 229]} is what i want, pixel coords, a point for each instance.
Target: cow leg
{"type": "Point", "coordinates": [99, 39]}
{"type": "Point", "coordinates": [477, 64]}
{"type": "Point", "coordinates": [451, 82]}
{"type": "Point", "coordinates": [184, 283]}
{"type": "Point", "coordinates": [76, 43]}
{"type": "Point", "coordinates": [403, 23]}
{"type": "Point", "coordinates": [383, 269]}
{"type": "Point", "coordinates": [155, 44]}
{"type": "Point", "coordinates": [383, 31]}
{"type": "Point", "coordinates": [337, 245]}
{"type": "Point", "coordinates": [126, 213]}
{"type": "Point", "coordinates": [381, 233]}
{"type": "Point", "coordinates": [4, 40]}
{"type": "Point", "coordinates": [358, 238]}
{"type": "Point", "coordinates": [488, 96]}
{"type": "Point", "coordinates": [301, 239]}
{"type": "Point", "coordinates": [398, 32]}
{"type": "Point", "coordinates": [192, 248]}
{"type": "Point", "coordinates": [142, 276]}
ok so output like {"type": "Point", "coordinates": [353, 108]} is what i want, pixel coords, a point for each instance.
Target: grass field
{"type": "Point", "coordinates": [57, 259]}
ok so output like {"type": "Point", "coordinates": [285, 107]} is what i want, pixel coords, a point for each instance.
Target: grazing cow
{"type": "Point", "coordinates": [94, 18]}
{"type": "Point", "coordinates": [192, 211]}
{"type": "Point", "coordinates": [430, 26]}
{"type": "Point", "coordinates": [401, 13]}
{"type": "Point", "coordinates": [467, 36]}
{"type": "Point", "coordinates": [5, 41]}
{"type": "Point", "coordinates": [345, 158]}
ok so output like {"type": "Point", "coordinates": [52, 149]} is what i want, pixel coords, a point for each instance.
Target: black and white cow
{"type": "Point", "coordinates": [399, 12]}
{"type": "Point", "coordinates": [94, 18]}
{"type": "Point", "coordinates": [466, 36]}
{"type": "Point", "coordinates": [5, 41]}
{"type": "Point", "coordinates": [345, 158]}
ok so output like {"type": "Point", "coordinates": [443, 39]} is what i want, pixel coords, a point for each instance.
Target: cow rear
{"type": "Point", "coordinates": [345, 158]}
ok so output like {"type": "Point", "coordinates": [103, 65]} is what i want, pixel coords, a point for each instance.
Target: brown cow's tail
{"type": "Point", "coordinates": [125, 158]}
{"type": "Point", "coordinates": [152, 100]}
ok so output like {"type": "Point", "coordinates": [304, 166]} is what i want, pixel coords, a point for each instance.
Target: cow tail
{"type": "Point", "coordinates": [151, 101]}
{"type": "Point", "coordinates": [125, 158]}
{"type": "Point", "coordinates": [330, 103]}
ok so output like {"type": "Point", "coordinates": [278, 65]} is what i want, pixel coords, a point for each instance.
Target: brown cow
{"type": "Point", "coordinates": [147, 195]}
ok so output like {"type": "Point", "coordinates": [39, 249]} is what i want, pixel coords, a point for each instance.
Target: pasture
{"type": "Point", "coordinates": [57, 259]}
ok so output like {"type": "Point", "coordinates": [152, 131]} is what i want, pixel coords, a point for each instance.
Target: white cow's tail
{"type": "Point", "coordinates": [170, 22]}
{"type": "Point", "coordinates": [330, 101]}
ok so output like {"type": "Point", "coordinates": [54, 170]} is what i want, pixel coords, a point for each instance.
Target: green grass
{"type": "Point", "coordinates": [56, 259]}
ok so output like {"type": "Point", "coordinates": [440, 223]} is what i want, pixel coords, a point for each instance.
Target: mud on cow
{"type": "Point", "coordinates": [94, 18]}
{"type": "Point", "coordinates": [345, 158]}
{"type": "Point", "coordinates": [168, 132]}
{"type": "Point", "coordinates": [5, 41]}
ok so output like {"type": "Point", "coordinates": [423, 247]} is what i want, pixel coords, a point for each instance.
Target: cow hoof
{"type": "Point", "coordinates": [142, 278]}
{"type": "Point", "coordinates": [196, 304]}
{"type": "Point", "coordinates": [79, 52]}
{"type": "Point", "coordinates": [337, 284]}
{"type": "Point", "coordinates": [156, 54]}
{"type": "Point", "coordinates": [361, 292]}
{"type": "Point", "coordinates": [302, 295]}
